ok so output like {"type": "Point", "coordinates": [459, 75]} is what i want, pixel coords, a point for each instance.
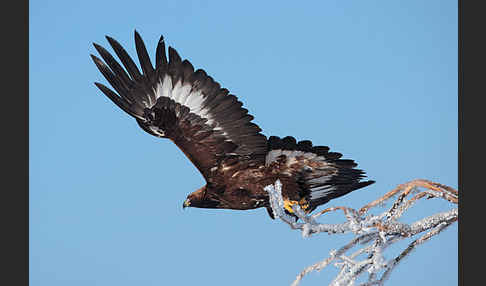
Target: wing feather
{"type": "Point", "coordinates": [160, 57]}
{"type": "Point", "coordinates": [143, 56]}
{"type": "Point", "coordinates": [127, 61]}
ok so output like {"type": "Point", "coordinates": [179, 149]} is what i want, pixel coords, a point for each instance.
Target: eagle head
{"type": "Point", "coordinates": [201, 199]}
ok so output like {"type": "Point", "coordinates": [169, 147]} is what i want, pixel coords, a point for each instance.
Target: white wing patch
{"type": "Point", "coordinates": [164, 88]}
{"type": "Point", "coordinates": [183, 94]}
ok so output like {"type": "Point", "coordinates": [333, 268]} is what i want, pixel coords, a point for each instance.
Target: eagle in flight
{"type": "Point", "coordinates": [217, 134]}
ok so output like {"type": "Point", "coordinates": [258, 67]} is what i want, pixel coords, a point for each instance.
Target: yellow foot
{"type": "Point", "coordinates": [302, 203]}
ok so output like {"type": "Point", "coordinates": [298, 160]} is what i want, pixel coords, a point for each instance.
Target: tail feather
{"type": "Point", "coordinates": [316, 198]}
{"type": "Point", "coordinates": [321, 175]}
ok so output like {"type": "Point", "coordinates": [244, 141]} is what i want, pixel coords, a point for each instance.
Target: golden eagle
{"type": "Point", "coordinates": [215, 132]}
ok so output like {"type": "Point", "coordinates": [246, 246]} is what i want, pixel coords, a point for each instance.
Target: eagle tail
{"type": "Point", "coordinates": [323, 193]}
{"type": "Point", "coordinates": [321, 175]}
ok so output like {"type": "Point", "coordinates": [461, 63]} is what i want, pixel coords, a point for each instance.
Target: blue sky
{"type": "Point", "coordinates": [373, 80]}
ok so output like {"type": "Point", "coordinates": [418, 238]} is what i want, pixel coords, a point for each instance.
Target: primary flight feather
{"type": "Point", "coordinates": [174, 101]}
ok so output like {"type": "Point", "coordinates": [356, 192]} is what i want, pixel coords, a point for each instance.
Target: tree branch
{"type": "Point", "coordinates": [374, 233]}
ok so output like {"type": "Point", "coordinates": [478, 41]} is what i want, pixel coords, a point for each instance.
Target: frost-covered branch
{"type": "Point", "coordinates": [373, 233]}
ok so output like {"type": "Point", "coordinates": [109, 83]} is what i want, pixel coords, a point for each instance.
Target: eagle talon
{"type": "Point", "coordinates": [303, 204]}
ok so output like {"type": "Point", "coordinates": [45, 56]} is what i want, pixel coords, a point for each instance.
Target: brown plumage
{"type": "Point", "coordinates": [215, 132]}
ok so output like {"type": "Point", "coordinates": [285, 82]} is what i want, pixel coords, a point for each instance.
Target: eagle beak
{"type": "Point", "coordinates": [186, 203]}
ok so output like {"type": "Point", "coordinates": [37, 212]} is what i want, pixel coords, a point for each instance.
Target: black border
{"type": "Point", "coordinates": [471, 143]}
{"type": "Point", "coordinates": [15, 145]}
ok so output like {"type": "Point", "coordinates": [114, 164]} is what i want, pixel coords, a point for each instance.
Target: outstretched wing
{"type": "Point", "coordinates": [173, 101]}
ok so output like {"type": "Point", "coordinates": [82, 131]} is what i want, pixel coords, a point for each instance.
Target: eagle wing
{"type": "Point", "coordinates": [321, 175]}
{"type": "Point", "coordinates": [173, 101]}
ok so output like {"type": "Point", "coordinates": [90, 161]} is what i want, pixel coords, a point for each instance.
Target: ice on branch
{"type": "Point", "coordinates": [373, 233]}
